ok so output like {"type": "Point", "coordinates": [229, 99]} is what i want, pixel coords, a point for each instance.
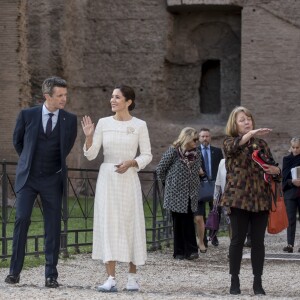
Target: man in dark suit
{"type": "Point", "coordinates": [211, 157]}
{"type": "Point", "coordinates": [43, 138]}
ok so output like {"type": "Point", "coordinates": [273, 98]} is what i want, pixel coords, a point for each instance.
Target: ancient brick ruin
{"type": "Point", "coordinates": [190, 62]}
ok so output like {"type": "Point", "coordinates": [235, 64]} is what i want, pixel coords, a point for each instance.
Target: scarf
{"type": "Point", "coordinates": [188, 157]}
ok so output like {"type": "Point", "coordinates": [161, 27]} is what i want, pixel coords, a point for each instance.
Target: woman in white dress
{"type": "Point", "coordinates": [119, 224]}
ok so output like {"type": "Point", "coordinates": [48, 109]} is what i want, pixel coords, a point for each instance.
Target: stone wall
{"type": "Point", "coordinates": [9, 74]}
{"type": "Point", "coordinates": [158, 47]}
{"type": "Point", "coordinates": [271, 64]}
{"type": "Point", "coordinates": [199, 36]}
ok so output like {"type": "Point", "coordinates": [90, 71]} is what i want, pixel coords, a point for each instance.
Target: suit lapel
{"type": "Point", "coordinates": [62, 122]}
{"type": "Point", "coordinates": [37, 120]}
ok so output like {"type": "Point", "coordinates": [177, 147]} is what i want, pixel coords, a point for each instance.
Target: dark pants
{"type": "Point", "coordinates": [292, 205]}
{"type": "Point", "coordinates": [50, 190]}
{"type": "Point", "coordinates": [239, 220]}
{"type": "Point", "coordinates": [184, 233]}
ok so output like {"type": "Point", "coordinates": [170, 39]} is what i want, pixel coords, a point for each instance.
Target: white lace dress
{"type": "Point", "coordinates": [119, 223]}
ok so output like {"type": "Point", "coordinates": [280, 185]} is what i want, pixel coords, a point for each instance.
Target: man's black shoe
{"type": "Point", "coordinates": [12, 279]}
{"type": "Point", "coordinates": [215, 241]}
{"type": "Point", "coordinates": [51, 283]}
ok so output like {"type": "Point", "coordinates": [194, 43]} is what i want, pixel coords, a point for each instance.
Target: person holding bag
{"type": "Point", "coordinates": [246, 193]}
{"type": "Point", "coordinates": [179, 170]}
{"type": "Point", "coordinates": [291, 191]}
{"type": "Point", "coordinates": [211, 157]}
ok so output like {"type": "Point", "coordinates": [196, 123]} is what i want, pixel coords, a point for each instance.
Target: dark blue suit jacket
{"type": "Point", "coordinates": [216, 156]}
{"type": "Point", "coordinates": [25, 139]}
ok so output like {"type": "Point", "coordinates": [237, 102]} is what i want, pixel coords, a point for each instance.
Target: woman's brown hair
{"type": "Point", "coordinates": [231, 127]}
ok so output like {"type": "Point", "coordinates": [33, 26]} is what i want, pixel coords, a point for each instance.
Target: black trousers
{"type": "Point", "coordinates": [240, 219]}
{"type": "Point", "coordinates": [184, 233]}
{"type": "Point", "coordinates": [50, 189]}
{"type": "Point", "coordinates": [292, 205]}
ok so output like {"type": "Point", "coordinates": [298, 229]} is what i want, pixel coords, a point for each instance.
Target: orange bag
{"type": "Point", "coordinates": [278, 219]}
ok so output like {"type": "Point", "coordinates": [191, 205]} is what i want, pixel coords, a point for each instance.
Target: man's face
{"type": "Point", "coordinates": [204, 138]}
{"type": "Point", "coordinates": [57, 100]}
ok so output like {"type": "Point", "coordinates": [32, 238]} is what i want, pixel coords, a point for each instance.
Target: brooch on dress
{"type": "Point", "coordinates": [130, 130]}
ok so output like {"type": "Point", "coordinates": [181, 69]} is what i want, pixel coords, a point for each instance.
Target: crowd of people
{"type": "Point", "coordinates": [45, 135]}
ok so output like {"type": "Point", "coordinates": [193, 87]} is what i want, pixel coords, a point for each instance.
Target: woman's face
{"type": "Point", "coordinates": [118, 101]}
{"type": "Point", "coordinates": [295, 148]}
{"type": "Point", "coordinates": [192, 144]}
{"type": "Point", "coordinates": [244, 123]}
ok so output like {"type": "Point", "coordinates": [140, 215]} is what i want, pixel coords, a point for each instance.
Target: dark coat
{"type": "Point", "coordinates": [216, 156]}
{"type": "Point", "coordinates": [26, 134]}
{"type": "Point", "coordinates": [290, 191]}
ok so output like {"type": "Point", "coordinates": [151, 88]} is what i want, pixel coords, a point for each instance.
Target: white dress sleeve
{"type": "Point", "coordinates": [93, 151]}
{"type": "Point", "coordinates": [145, 156]}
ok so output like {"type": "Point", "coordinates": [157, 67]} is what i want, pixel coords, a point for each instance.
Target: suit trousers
{"type": "Point", "coordinates": [50, 189]}
{"type": "Point", "coordinates": [239, 220]}
{"type": "Point", "coordinates": [292, 206]}
{"type": "Point", "coordinates": [184, 233]}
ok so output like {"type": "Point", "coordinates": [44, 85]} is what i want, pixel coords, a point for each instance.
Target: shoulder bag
{"type": "Point", "coordinates": [278, 219]}
{"type": "Point", "coordinates": [206, 190]}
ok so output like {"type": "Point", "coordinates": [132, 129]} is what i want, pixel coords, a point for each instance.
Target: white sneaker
{"type": "Point", "coordinates": [109, 286]}
{"type": "Point", "coordinates": [132, 284]}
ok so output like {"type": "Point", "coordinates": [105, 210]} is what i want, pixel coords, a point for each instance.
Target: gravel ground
{"type": "Point", "coordinates": [163, 277]}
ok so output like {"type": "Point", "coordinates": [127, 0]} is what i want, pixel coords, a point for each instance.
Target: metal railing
{"type": "Point", "coordinates": [78, 204]}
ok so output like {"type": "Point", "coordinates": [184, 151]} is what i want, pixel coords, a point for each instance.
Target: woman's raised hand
{"type": "Point", "coordinates": [88, 126]}
{"type": "Point", "coordinates": [261, 131]}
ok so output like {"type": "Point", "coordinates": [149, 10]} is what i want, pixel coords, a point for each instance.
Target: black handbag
{"type": "Point", "coordinates": [206, 190]}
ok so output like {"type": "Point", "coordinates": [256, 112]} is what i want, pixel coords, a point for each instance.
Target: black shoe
{"type": "Point", "coordinates": [235, 285]}
{"type": "Point", "coordinates": [257, 286]}
{"type": "Point", "coordinates": [179, 256]}
{"type": "Point", "coordinates": [51, 283]}
{"type": "Point", "coordinates": [205, 242]}
{"type": "Point", "coordinates": [215, 241]}
{"type": "Point", "coordinates": [288, 248]}
{"type": "Point", "coordinates": [12, 279]}
{"type": "Point", "coordinates": [193, 256]}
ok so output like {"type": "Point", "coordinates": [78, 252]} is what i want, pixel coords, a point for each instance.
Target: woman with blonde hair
{"type": "Point", "coordinates": [291, 191]}
{"type": "Point", "coordinates": [246, 193]}
{"type": "Point", "coordinates": [179, 170]}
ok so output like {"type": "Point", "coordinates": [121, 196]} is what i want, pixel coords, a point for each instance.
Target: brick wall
{"type": "Point", "coordinates": [9, 75]}
{"type": "Point", "coordinates": [95, 44]}
{"type": "Point", "coordinates": [271, 65]}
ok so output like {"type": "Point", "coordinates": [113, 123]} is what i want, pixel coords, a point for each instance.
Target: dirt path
{"type": "Point", "coordinates": [164, 278]}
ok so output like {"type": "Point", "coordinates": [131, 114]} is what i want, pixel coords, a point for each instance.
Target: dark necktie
{"type": "Point", "coordinates": [49, 125]}
{"type": "Point", "coordinates": [206, 162]}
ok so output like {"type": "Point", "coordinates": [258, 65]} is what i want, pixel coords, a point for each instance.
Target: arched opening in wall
{"type": "Point", "coordinates": [210, 87]}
